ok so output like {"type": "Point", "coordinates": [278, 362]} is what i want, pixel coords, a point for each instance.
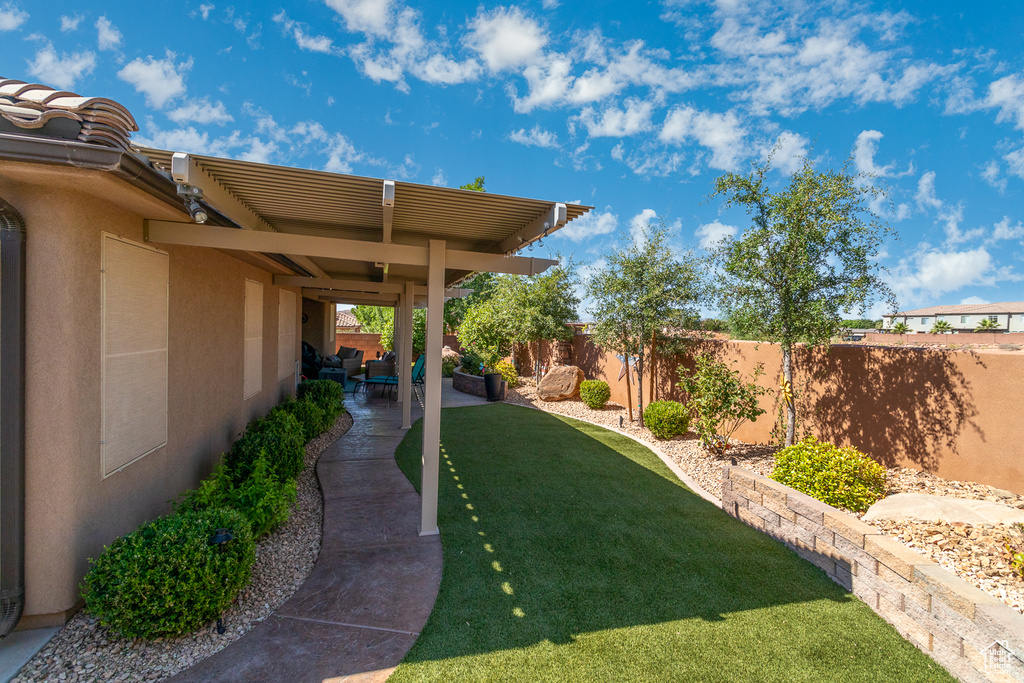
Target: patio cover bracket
{"type": "Point", "coordinates": [537, 228]}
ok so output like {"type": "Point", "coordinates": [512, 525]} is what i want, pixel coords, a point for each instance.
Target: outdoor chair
{"type": "Point", "coordinates": [388, 382]}
{"type": "Point", "coordinates": [351, 360]}
{"type": "Point", "coordinates": [384, 367]}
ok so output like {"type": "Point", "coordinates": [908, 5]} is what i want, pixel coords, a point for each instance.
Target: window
{"type": "Point", "coordinates": [963, 318]}
{"type": "Point", "coordinates": [994, 318]}
{"type": "Point", "coordinates": [924, 321]}
{"type": "Point", "coordinates": [286, 334]}
{"type": "Point", "coordinates": [133, 362]}
{"type": "Point", "coordinates": [252, 377]}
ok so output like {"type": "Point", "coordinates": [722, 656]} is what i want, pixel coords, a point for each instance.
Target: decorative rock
{"type": "Point", "coordinates": [922, 507]}
{"type": "Point", "coordinates": [561, 383]}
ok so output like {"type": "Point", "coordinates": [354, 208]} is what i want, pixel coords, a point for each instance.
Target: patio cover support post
{"type": "Point", "coordinates": [397, 334]}
{"type": "Point", "coordinates": [432, 389]}
{"type": "Point", "coordinates": [405, 378]}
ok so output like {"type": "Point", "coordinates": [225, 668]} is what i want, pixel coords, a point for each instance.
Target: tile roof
{"type": "Point", "coordinates": [345, 319]}
{"type": "Point", "coordinates": [30, 108]}
{"type": "Point", "coordinates": [959, 309]}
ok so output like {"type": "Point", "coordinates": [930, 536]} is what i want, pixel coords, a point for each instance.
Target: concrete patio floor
{"type": "Point", "coordinates": [375, 581]}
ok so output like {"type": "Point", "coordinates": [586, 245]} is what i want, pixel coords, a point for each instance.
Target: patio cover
{"type": "Point", "coordinates": [349, 239]}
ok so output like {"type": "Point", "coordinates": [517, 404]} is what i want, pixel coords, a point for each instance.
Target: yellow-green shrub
{"type": "Point", "coordinates": [595, 393]}
{"type": "Point", "coordinates": [508, 373]}
{"type": "Point", "coordinates": [666, 419]}
{"type": "Point", "coordinates": [840, 477]}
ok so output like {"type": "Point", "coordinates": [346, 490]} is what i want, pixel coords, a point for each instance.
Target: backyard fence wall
{"type": "Point", "coordinates": [992, 338]}
{"type": "Point", "coordinates": [975, 636]}
{"type": "Point", "coordinates": [366, 342]}
{"type": "Point", "coordinates": [954, 413]}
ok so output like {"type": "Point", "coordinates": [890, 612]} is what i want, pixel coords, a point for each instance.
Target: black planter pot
{"type": "Point", "coordinates": [492, 383]}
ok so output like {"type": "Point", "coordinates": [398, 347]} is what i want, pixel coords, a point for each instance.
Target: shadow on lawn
{"type": "Point", "coordinates": [550, 532]}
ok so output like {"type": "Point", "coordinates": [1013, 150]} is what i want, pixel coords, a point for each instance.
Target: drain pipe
{"type": "Point", "coordinates": [12, 417]}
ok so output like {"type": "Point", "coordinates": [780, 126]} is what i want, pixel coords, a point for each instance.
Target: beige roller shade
{"type": "Point", "coordinates": [286, 321]}
{"type": "Point", "coordinates": [133, 383]}
{"type": "Point", "coordinates": [252, 379]}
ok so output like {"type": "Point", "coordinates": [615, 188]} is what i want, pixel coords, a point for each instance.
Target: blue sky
{"type": "Point", "coordinates": [634, 108]}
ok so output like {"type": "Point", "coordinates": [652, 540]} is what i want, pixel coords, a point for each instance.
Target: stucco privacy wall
{"type": "Point", "coordinates": [954, 413]}
{"type": "Point", "coordinates": [972, 634]}
{"type": "Point", "coordinates": [71, 511]}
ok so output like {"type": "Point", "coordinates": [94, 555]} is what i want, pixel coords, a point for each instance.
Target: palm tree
{"type": "Point", "coordinates": [900, 328]}
{"type": "Point", "coordinates": [986, 325]}
{"type": "Point", "coordinates": [941, 327]}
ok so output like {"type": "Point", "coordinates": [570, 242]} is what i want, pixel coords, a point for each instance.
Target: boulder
{"type": "Point", "coordinates": [923, 507]}
{"type": "Point", "coordinates": [561, 383]}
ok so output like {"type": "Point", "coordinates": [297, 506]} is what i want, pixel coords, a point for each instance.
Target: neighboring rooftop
{"type": "Point", "coordinates": [38, 110]}
{"type": "Point", "coordinates": [345, 319]}
{"type": "Point", "coordinates": [999, 307]}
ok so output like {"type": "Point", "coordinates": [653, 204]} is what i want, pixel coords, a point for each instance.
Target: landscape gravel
{"type": "Point", "coordinates": [978, 554]}
{"type": "Point", "coordinates": [83, 651]}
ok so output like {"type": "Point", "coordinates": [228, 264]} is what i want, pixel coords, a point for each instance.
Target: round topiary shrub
{"type": "Point", "coordinates": [166, 578]}
{"type": "Point", "coordinates": [666, 419]}
{"type": "Point", "coordinates": [840, 477]}
{"type": "Point", "coordinates": [595, 393]}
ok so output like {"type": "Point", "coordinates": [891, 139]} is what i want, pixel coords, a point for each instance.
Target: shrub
{"type": "Point", "coordinates": [721, 400]}
{"type": "Point", "coordinates": [448, 366]}
{"type": "Point", "coordinates": [595, 393]}
{"type": "Point", "coordinates": [311, 417]}
{"type": "Point", "coordinates": [507, 372]}
{"type": "Point", "coordinates": [1016, 551]}
{"type": "Point", "coordinates": [280, 436]}
{"type": "Point", "coordinates": [472, 364]}
{"type": "Point", "coordinates": [166, 578]}
{"type": "Point", "coordinates": [325, 393]}
{"type": "Point", "coordinates": [264, 500]}
{"type": "Point", "coordinates": [840, 477]}
{"type": "Point", "coordinates": [666, 419]}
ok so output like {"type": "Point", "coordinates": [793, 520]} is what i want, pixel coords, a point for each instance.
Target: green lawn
{"type": "Point", "coordinates": [573, 554]}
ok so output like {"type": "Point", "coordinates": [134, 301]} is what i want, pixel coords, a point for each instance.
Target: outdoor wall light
{"type": "Point", "coordinates": [220, 537]}
{"type": "Point", "coordinates": [197, 212]}
{"type": "Point", "coordinates": [191, 195]}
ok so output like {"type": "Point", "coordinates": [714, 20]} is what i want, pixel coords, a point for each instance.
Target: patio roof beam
{"type": "Point", "coordinates": [540, 227]}
{"type": "Point", "coordinates": [190, 234]}
{"type": "Point", "coordinates": [347, 297]}
{"type": "Point", "coordinates": [185, 170]}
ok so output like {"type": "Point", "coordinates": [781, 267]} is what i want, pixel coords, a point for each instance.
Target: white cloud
{"type": "Point", "coordinates": [973, 301]}
{"type": "Point", "coordinates": [440, 178]}
{"type": "Point", "coordinates": [160, 80]}
{"type": "Point", "coordinates": [790, 150]}
{"type": "Point", "coordinates": [615, 122]}
{"type": "Point", "coordinates": [590, 225]}
{"type": "Point", "coordinates": [710, 234]}
{"type": "Point", "coordinates": [720, 133]}
{"type": "Point", "coordinates": [951, 216]}
{"type": "Point", "coordinates": [107, 35]}
{"type": "Point", "coordinates": [1007, 94]}
{"type": "Point", "coordinates": [68, 24]}
{"type": "Point", "coordinates": [932, 273]}
{"type": "Point", "coordinates": [535, 137]}
{"type": "Point", "coordinates": [640, 225]}
{"type": "Point", "coordinates": [1015, 162]}
{"type": "Point", "coordinates": [506, 38]}
{"type": "Point", "coordinates": [201, 112]}
{"type": "Point", "coordinates": [364, 16]}
{"type": "Point", "coordinates": [321, 44]}
{"type": "Point", "coordinates": [11, 17]}
{"type": "Point", "coordinates": [547, 84]}
{"type": "Point", "coordinates": [341, 155]}
{"type": "Point", "coordinates": [1004, 231]}
{"type": "Point", "coordinates": [550, 4]}
{"type": "Point", "coordinates": [645, 162]}
{"type": "Point", "coordinates": [61, 71]}
{"type": "Point", "coordinates": [205, 11]}
{"type": "Point", "coordinates": [925, 196]}
{"type": "Point", "coordinates": [990, 172]}
{"type": "Point", "coordinates": [864, 157]}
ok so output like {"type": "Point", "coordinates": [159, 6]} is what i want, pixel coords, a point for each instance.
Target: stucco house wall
{"type": "Point", "coordinates": [72, 511]}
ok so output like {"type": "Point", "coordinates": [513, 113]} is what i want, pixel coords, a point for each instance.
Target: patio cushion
{"type": "Point", "coordinates": [346, 352]}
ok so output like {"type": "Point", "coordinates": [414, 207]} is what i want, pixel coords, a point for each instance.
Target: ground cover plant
{"type": "Point", "coordinates": [840, 477]}
{"type": "Point", "coordinates": [583, 558]}
{"type": "Point", "coordinates": [166, 577]}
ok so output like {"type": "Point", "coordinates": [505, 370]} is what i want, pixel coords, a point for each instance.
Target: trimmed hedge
{"type": "Point", "coordinates": [166, 578]}
{"type": "Point", "coordinates": [264, 500]}
{"type": "Point", "coordinates": [666, 419]}
{"type": "Point", "coordinates": [595, 393]}
{"type": "Point", "coordinates": [325, 393]}
{"type": "Point", "coordinates": [840, 477]}
{"type": "Point", "coordinates": [280, 436]}
{"type": "Point", "coordinates": [312, 418]}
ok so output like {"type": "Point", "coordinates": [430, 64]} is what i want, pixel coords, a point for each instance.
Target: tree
{"type": "Point", "coordinates": [862, 324]}
{"type": "Point", "coordinates": [477, 185]}
{"type": "Point", "coordinates": [811, 254]}
{"type": "Point", "coordinates": [941, 327]}
{"type": "Point", "coordinates": [900, 328]}
{"type": "Point", "coordinates": [380, 320]}
{"type": "Point", "coordinates": [721, 399]}
{"type": "Point", "coordinates": [986, 325]}
{"type": "Point", "coordinates": [482, 285]}
{"type": "Point", "coordinates": [643, 288]}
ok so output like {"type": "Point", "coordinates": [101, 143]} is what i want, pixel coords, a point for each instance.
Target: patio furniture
{"type": "Point", "coordinates": [382, 367]}
{"type": "Point", "coordinates": [351, 359]}
{"type": "Point", "coordinates": [339, 375]}
{"type": "Point", "coordinates": [418, 374]}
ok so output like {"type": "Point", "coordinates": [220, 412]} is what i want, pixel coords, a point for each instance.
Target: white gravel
{"type": "Point", "coordinates": [976, 554]}
{"type": "Point", "coordinates": [84, 651]}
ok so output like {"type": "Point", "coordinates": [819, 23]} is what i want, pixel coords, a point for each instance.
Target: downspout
{"type": "Point", "coordinates": [12, 417]}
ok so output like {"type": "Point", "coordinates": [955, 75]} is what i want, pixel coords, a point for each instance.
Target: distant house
{"type": "Point", "coordinates": [346, 322]}
{"type": "Point", "coordinates": [1008, 317]}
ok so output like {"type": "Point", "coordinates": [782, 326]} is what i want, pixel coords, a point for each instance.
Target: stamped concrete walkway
{"type": "Point", "coordinates": [375, 581]}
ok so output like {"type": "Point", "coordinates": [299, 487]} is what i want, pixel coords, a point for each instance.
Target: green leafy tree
{"type": "Point", "coordinates": [643, 288]}
{"type": "Point", "coordinates": [986, 325]}
{"type": "Point", "coordinates": [941, 327]}
{"type": "Point", "coordinates": [811, 253]}
{"type": "Point", "coordinates": [482, 285]}
{"type": "Point", "coordinates": [477, 185]}
{"type": "Point", "coordinates": [721, 400]}
{"type": "Point", "coordinates": [862, 323]}
{"type": "Point", "coordinates": [380, 320]}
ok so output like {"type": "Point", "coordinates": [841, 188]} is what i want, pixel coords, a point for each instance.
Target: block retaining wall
{"type": "Point", "coordinates": [972, 634]}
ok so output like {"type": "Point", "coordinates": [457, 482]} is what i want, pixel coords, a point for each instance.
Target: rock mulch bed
{"type": "Point", "coordinates": [83, 651]}
{"type": "Point", "coordinates": [976, 553]}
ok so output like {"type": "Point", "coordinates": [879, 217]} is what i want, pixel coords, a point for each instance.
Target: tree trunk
{"type": "Point", "coordinates": [654, 367]}
{"type": "Point", "coordinates": [787, 373]}
{"type": "Point", "coordinates": [629, 398]}
{"type": "Point", "coordinates": [640, 385]}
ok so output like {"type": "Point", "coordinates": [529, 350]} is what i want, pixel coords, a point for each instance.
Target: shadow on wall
{"type": "Point", "coordinates": [894, 404]}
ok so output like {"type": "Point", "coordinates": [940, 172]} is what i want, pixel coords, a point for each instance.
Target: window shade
{"type": "Point", "coordinates": [252, 378]}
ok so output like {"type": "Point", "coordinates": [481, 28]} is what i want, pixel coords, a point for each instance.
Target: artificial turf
{"type": "Point", "coordinates": [572, 553]}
